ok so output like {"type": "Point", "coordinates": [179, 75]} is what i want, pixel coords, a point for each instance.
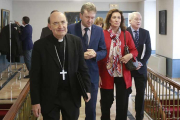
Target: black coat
{"type": "Point", "coordinates": [45, 69]}
{"type": "Point", "coordinates": [16, 44]}
{"type": "Point", "coordinates": [144, 38]}
{"type": "Point", "coordinates": [45, 32]}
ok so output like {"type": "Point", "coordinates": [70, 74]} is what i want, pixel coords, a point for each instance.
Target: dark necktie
{"type": "Point", "coordinates": [136, 39]}
{"type": "Point", "coordinates": [85, 39]}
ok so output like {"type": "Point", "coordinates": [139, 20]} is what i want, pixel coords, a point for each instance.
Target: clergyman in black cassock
{"type": "Point", "coordinates": [53, 82]}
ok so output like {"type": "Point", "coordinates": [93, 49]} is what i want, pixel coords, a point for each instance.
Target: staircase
{"type": "Point", "coordinates": [154, 112]}
{"type": "Point", "coordinates": [4, 109]}
{"type": "Point", "coordinates": [11, 85]}
{"type": "Point", "coordinates": [162, 98]}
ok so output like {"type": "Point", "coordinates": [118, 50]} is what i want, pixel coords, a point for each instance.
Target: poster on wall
{"type": "Point", "coordinates": [5, 16]}
{"type": "Point", "coordinates": [72, 17]}
{"type": "Point", "coordinates": [162, 22]}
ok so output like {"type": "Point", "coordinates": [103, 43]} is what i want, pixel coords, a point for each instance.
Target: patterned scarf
{"type": "Point", "coordinates": [114, 65]}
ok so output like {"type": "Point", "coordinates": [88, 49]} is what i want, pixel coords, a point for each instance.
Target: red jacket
{"type": "Point", "coordinates": [107, 80]}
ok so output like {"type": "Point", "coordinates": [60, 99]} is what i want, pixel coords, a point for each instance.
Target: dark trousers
{"type": "Point", "coordinates": [107, 98]}
{"type": "Point", "coordinates": [27, 58]}
{"type": "Point", "coordinates": [67, 107]}
{"type": "Point", "coordinates": [140, 84]}
{"type": "Point", "coordinates": [122, 96]}
{"type": "Point", "coordinates": [90, 108]}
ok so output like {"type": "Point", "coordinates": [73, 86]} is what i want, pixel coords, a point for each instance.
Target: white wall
{"type": "Point", "coordinates": [150, 21]}
{"type": "Point", "coordinates": [38, 11]}
{"type": "Point", "coordinates": [164, 43]}
{"type": "Point", "coordinates": [6, 4]}
{"type": "Point", "coordinates": [141, 10]}
{"type": "Point", "coordinates": [176, 26]}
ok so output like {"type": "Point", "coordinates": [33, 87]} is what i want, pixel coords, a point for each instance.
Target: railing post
{"type": "Point", "coordinates": [166, 109]}
{"type": "Point", "coordinates": [177, 104]}
{"type": "Point", "coordinates": [162, 98]}
{"type": "Point", "coordinates": [169, 113]}
{"type": "Point", "coordinates": [173, 103]}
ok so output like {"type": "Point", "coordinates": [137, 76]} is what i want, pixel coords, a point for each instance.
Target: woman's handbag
{"type": "Point", "coordinates": [129, 65]}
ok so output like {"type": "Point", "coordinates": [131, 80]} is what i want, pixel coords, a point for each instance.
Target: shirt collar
{"type": "Point", "coordinates": [25, 25]}
{"type": "Point", "coordinates": [82, 27]}
{"type": "Point", "coordinates": [60, 40]}
{"type": "Point", "coordinates": [134, 30]}
{"type": "Point", "coordinates": [56, 41]}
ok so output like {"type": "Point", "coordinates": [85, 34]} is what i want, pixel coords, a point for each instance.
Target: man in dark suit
{"type": "Point", "coordinates": [53, 82]}
{"type": "Point", "coordinates": [94, 50]}
{"type": "Point", "coordinates": [46, 31]}
{"type": "Point", "coordinates": [142, 42]}
{"type": "Point", "coordinates": [26, 38]}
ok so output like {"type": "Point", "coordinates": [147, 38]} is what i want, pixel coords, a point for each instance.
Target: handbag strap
{"type": "Point", "coordinates": [125, 45]}
{"type": "Point", "coordinates": [125, 38]}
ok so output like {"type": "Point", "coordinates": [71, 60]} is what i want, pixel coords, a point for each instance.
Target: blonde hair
{"type": "Point", "coordinates": [98, 21]}
{"type": "Point", "coordinates": [89, 7]}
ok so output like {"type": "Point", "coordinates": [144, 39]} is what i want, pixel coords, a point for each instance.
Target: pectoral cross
{"type": "Point", "coordinates": [63, 74]}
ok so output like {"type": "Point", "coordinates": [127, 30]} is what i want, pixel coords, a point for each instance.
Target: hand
{"type": "Point", "coordinates": [36, 110]}
{"type": "Point", "coordinates": [17, 23]}
{"type": "Point", "coordinates": [86, 55]}
{"type": "Point", "coordinates": [139, 66]}
{"type": "Point", "coordinates": [100, 82]}
{"type": "Point", "coordinates": [90, 53]}
{"type": "Point", "coordinates": [126, 58]}
{"type": "Point", "coordinates": [89, 97]}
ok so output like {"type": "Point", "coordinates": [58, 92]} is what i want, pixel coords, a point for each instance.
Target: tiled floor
{"type": "Point", "coordinates": [131, 108]}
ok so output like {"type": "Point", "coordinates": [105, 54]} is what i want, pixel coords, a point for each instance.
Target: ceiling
{"type": "Point", "coordinates": [91, 0]}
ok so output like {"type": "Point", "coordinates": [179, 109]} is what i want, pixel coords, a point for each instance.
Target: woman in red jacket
{"type": "Point", "coordinates": [112, 68]}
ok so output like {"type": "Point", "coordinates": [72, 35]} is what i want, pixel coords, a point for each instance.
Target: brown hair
{"type": "Point", "coordinates": [108, 17]}
{"type": "Point", "coordinates": [26, 19]}
{"type": "Point", "coordinates": [99, 20]}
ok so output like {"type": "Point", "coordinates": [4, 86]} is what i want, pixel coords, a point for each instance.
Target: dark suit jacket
{"type": "Point", "coordinates": [16, 43]}
{"type": "Point", "coordinates": [97, 43]}
{"type": "Point", "coordinates": [26, 37]}
{"type": "Point", "coordinates": [45, 32]}
{"type": "Point", "coordinates": [144, 38]}
{"type": "Point", "coordinates": [45, 71]}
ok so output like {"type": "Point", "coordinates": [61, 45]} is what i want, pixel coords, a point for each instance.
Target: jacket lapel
{"type": "Point", "coordinates": [70, 51]}
{"type": "Point", "coordinates": [140, 36]}
{"type": "Point", "coordinates": [51, 50]}
{"type": "Point", "coordinates": [78, 29]}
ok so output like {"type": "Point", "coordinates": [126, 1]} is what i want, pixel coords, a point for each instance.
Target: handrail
{"type": "Point", "coordinates": [11, 114]}
{"type": "Point", "coordinates": [161, 94]}
{"type": "Point", "coordinates": [173, 83]}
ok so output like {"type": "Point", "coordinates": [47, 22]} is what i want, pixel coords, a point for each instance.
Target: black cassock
{"type": "Point", "coordinates": [46, 84]}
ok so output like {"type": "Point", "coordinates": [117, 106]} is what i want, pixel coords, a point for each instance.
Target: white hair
{"type": "Point", "coordinates": [131, 16]}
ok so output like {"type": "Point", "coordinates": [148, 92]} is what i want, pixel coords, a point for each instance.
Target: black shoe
{"type": "Point", "coordinates": [27, 76]}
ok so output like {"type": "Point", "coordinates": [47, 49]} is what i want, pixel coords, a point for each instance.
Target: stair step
{"type": "Point", "coordinates": [3, 113]}
{"type": "Point", "coordinates": [5, 106]}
